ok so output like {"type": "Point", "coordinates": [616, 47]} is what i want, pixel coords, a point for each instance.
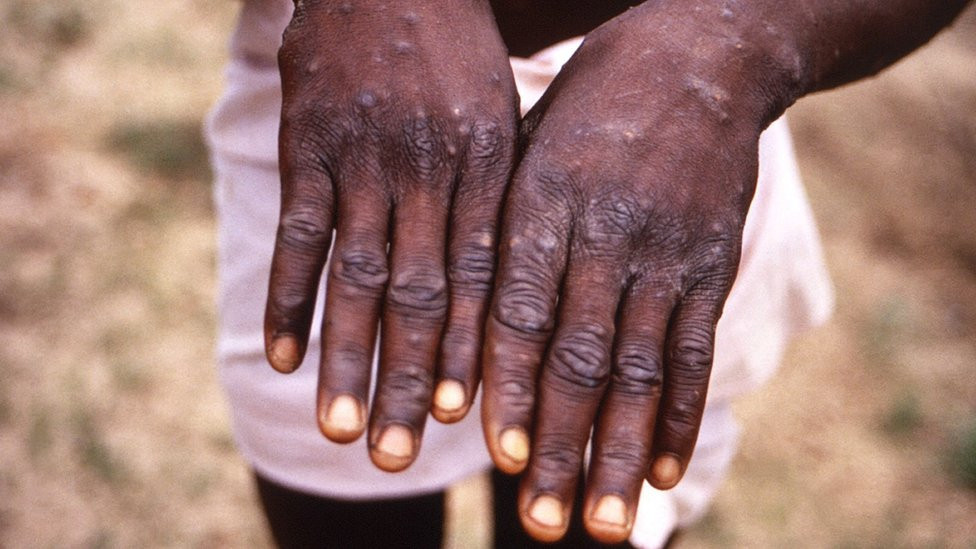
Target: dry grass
{"type": "Point", "coordinates": [113, 431]}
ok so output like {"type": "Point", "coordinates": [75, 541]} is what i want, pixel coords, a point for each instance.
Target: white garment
{"type": "Point", "coordinates": [782, 287]}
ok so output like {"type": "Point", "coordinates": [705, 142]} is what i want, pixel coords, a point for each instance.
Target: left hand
{"type": "Point", "coordinates": [621, 239]}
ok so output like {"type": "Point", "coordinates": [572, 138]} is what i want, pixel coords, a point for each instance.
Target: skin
{"type": "Point", "coordinates": [628, 187]}
{"type": "Point", "coordinates": [396, 141]}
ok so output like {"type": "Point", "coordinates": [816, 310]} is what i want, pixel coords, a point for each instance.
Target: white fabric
{"type": "Point", "coordinates": [782, 287]}
{"type": "Point", "coordinates": [659, 512]}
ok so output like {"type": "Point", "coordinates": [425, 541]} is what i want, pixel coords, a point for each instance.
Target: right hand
{"type": "Point", "coordinates": [398, 132]}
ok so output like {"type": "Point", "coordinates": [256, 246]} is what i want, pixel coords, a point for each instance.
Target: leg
{"type": "Point", "coordinates": [304, 521]}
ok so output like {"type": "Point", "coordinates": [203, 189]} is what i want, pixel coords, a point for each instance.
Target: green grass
{"type": "Point", "coordinates": [130, 377]}
{"type": "Point", "coordinates": [962, 457]}
{"type": "Point", "coordinates": [199, 483]}
{"type": "Point", "coordinates": [58, 24]}
{"type": "Point", "coordinates": [6, 409]}
{"type": "Point", "coordinates": [223, 441]}
{"type": "Point", "coordinates": [161, 49]}
{"type": "Point", "coordinates": [903, 416]}
{"type": "Point", "coordinates": [10, 81]}
{"type": "Point", "coordinates": [883, 329]}
{"type": "Point", "coordinates": [102, 539]}
{"type": "Point", "coordinates": [174, 149]}
{"type": "Point", "coordinates": [39, 437]}
{"type": "Point", "coordinates": [712, 528]}
{"type": "Point", "coordinates": [93, 451]}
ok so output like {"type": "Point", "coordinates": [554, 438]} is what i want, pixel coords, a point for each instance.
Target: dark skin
{"type": "Point", "coordinates": [589, 299]}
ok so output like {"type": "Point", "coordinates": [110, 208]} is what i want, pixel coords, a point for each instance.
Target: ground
{"type": "Point", "coordinates": [113, 432]}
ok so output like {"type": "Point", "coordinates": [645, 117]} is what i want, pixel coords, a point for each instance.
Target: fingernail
{"type": "Point", "coordinates": [283, 354]}
{"type": "Point", "coordinates": [515, 444]}
{"type": "Point", "coordinates": [396, 441]}
{"type": "Point", "coordinates": [345, 418]}
{"type": "Point", "coordinates": [611, 510]}
{"type": "Point", "coordinates": [666, 471]}
{"type": "Point", "coordinates": [450, 396]}
{"type": "Point", "coordinates": [547, 511]}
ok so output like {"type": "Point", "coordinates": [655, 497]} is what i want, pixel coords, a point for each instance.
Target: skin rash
{"type": "Point", "coordinates": [618, 203]}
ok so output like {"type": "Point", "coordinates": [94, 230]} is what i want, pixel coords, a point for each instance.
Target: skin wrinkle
{"type": "Point", "coordinates": [518, 392]}
{"type": "Point", "coordinates": [600, 229]}
{"type": "Point", "coordinates": [680, 420]}
{"type": "Point", "coordinates": [581, 356]}
{"type": "Point", "coordinates": [639, 368]}
{"type": "Point", "coordinates": [520, 309]}
{"type": "Point", "coordinates": [558, 458]}
{"type": "Point", "coordinates": [410, 383]}
{"type": "Point", "coordinates": [471, 268]}
{"type": "Point", "coordinates": [625, 457]}
{"type": "Point", "coordinates": [359, 266]}
{"type": "Point", "coordinates": [642, 156]}
{"type": "Point", "coordinates": [303, 231]}
{"type": "Point", "coordinates": [418, 292]}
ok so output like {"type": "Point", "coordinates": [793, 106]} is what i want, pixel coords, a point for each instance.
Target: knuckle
{"type": "Point", "coordinates": [618, 216]}
{"type": "Point", "coordinates": [545, 182]}
{"type": "Point", "coordinates": [287, 300]}
{"type": "Point", "coordinates": [711, 288]}
{"type": "Point", "coordinates": [487, 143]}
{"type": "Point", "coordinates": [418, 290]}
{"type": "Point", "coordinates": [473, 266]}
{"type": "Point", "coordinates": [309, 138]}
{"type": "Point", "coordinates": [557, 456]}
{"type": "Point", "coordinates": [512, 381]}
{"type": "Point", "coordinates": [523, 306]}
{"type": "Point", "coordinates": [406, 384]}
{"type": "Point", "coordinates": [718, 256]}
{"type": "Point", "coordinates": [460, 344]}
{"type": "Point", "coordinates": [305, 227]}
{"type": "Point", "coordinates": [681, 421]}
{"type": "Point", "coordinates": [423, 147]}
{"type": "Point", "coordinates": [361, 268]}
{"type": "Point", "coordinates": [625, 457]}
{"type": "Point", "coordinates": [517, 392]}
{"type": "Point", "coordinates": [638, 367]}
{"type": "Point", "coordinates": [580, 357]}
{"type": "Point", "coordinates": [664, 234]}
{"type": "Point", "coordinates": [316, 126]}
{"type": "Point", "coordinates": [691, 353]}
{"type": "Point", "coordinates": [350, 352]}
{"type": "Point", "coordinates": [552, 179]}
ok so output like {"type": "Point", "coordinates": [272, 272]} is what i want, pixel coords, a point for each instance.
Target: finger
{"type": "Point", "coordinates": [531, 263]}
{"type": "Point", "coordinates": [688, 364]}
{"type": "Point", "coordinates": [301, 248]}
{"type": "Point", "coordinates": [471, 268]}
{"type": "Point", "coordinates": [357, 280]}
{"type": "Point", "coordinates": [413, 318]}
{"type": "Point", "coordinates": [571, 385]}
{"type": "Point", "coordinates": [625, 426]}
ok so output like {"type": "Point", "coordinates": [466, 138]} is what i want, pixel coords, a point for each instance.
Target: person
{"type": "Point", "coordinates": [576, 261]}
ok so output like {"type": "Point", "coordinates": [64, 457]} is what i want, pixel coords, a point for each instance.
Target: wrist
{"type": "Point", "coordinates": [735, 60]}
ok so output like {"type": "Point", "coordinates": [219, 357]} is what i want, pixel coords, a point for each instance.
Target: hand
{"type": "Point", "coordinates": [398, 131]}
{"type": "Point", "coordinates": [620, 241]}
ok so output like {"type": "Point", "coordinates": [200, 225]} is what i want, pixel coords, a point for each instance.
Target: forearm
{"type": "Point", "coordinates": [840, 41]}
{"type": "Point", "coordinates": [751, 59]}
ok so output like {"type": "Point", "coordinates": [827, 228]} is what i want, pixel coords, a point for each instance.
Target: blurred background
{"type": "Point", "coordinates": [113, 432]}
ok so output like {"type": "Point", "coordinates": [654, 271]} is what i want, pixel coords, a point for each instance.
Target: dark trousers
{"type": "Point", "coordinates": [304, 521]}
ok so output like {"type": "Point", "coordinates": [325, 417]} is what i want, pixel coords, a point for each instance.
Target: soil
{"type": "Point", "coordinates": [113, 431]}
